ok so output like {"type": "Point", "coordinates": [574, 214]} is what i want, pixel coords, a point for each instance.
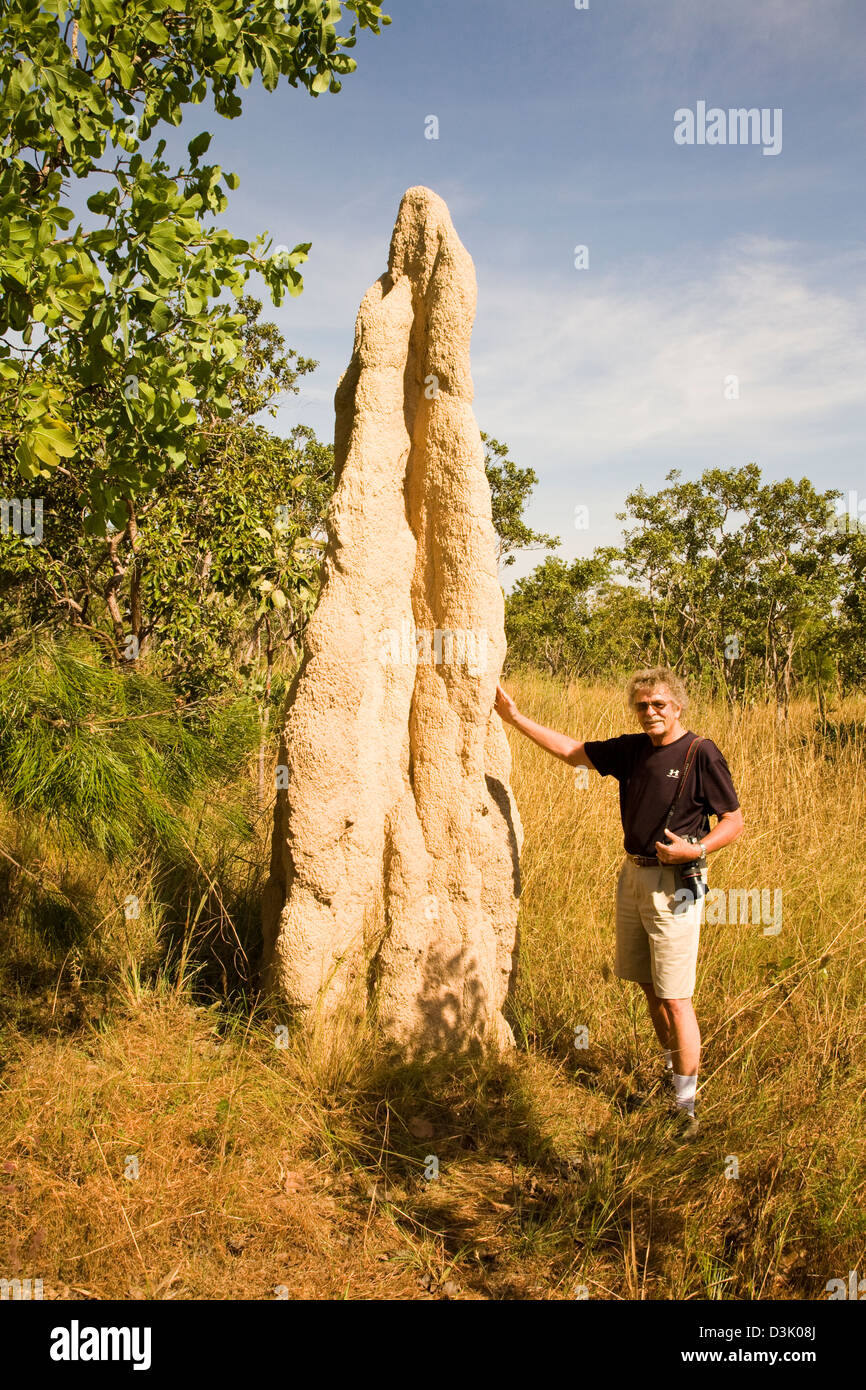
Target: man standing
{"type": "Point", "coordinates": [657, 923]}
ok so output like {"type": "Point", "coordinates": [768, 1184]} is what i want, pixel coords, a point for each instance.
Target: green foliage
{"type": "Point", "coordinates": [215, 569]}
{"type": "Point", "coordinates": [849, 645]}
{"type": "Point", "coordinates": [549, 615]}
{"type": "Point", "coordinates": [510, 487]}
{"type": "Point", "coordinates": [228, 558]}
{"type": "Point", "coordinates": [122, 343]}
{"type": "Point", "coordinates": [108, 758]}
{"type": "Point", "coordinates": [743, 586]}
{"type": "Point", "coordinates": [741, 577]}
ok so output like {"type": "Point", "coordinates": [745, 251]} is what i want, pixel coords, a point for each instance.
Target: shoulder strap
{"type": "Point", "coordinates": [687, 767]}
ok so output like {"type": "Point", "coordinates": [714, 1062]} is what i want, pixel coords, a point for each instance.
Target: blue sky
{"type": "Point", "coordinates": [556, 130]}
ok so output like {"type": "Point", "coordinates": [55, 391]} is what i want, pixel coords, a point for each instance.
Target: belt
{"type": "Point", "coordinates": [642, 860]}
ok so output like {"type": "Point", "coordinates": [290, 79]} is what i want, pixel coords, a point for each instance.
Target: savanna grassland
{"type": "Point", "coordinates": [304, 1171]}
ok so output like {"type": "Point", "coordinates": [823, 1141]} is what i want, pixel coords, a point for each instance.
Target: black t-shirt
{"type": "Point", "coordinates": [648, 777]}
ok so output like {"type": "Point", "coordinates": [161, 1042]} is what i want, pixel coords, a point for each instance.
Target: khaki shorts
{"type": "Point", "coordinates": [653, 944]}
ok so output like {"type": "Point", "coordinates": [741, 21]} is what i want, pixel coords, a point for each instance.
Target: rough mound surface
{"type": "Point", "coordinates": [395, 856]}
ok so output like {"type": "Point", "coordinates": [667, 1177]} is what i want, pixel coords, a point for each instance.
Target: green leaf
{"type": "Point", "coordinates": [56, 436]}
{"type": "Point", "coordinates": [28, 467]}
{"type": "Point", "coordinates": [221, 26]}
{"type": "Point", "coordinates": [117, 515]}
{"type": "Point", "coordinates": [200, 144]}
{"type": "Point", "coordinates": [156, 32]}
{"type": "Point", "coordinates": [43, 451]}
{"type": "Point", "coordinates": [164, 238]}
{"type": "Point", "coordinates": [125, 70]}
{"type": "Point", "coordinates": [165, 268]}
{"type": "Point", "coordinates": [99, 202]}
{"type": "Point", "coordinates": [160, 316]}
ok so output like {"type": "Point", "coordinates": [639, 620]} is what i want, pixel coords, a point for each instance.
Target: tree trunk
{"type": "Point", "coordinates": [135, 618]}
{"type": "Point", "coordinates": [264, 713]}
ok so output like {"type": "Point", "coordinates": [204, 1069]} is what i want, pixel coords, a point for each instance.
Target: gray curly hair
{"type": "Point", "coordinates": [657, 675]}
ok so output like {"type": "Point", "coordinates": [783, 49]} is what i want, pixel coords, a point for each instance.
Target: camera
{"type": "Point", "coordinates": [691, 876]}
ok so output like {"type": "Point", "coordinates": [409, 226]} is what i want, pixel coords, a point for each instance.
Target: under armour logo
{"type": "Point", "coordinates": [673, 772]}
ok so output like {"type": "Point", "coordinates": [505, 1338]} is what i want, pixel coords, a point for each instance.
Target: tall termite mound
{"type": "Point", "coordinates": [394, 874]}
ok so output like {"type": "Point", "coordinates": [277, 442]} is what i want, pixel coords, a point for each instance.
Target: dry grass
{"type": "Point", "coordinates": [305, 1171]}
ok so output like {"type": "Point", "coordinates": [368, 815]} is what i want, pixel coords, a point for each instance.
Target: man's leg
{"type": "Point", "coordinates": [633, 961]}
{"type": "Point", "coordinates": [685, 1036]}
{"type": "Point", "coordinates": [660, 1016]}
{"type": "Point", "coordinates": [686, 1047]}
{"type": "Point", "coordinates": [674, 937]}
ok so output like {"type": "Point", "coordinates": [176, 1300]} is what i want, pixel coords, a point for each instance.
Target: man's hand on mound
{"type": "Point", "coordinates": [504, 705]}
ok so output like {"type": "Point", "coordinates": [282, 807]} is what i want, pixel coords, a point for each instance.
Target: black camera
{"type": "Point", "coordinates": [690, 878]}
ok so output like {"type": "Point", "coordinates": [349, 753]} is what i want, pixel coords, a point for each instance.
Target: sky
{"type": "Point", "coordinates": [718, 317]}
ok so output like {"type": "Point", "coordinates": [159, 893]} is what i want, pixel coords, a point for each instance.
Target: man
{"type": "Point", "coordinates": [657, 923]}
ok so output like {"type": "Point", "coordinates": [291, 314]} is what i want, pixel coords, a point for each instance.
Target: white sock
{"type": "Point", "coordinates": [669, 1060]}
{"type": "Point", "coordinates": [685, 1087]}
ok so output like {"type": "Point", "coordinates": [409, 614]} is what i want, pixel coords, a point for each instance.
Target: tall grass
{"type": "Point", "coordinates": [120, 807]}
{"type": "Point", "coordinates": [107, 757]}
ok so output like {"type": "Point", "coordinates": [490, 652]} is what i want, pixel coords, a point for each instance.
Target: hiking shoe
{"type": "Point", "coordinates": [685, 1126]}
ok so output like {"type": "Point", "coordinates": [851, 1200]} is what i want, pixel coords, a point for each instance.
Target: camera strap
{"type": "Point", "coordinates": [687, 767]}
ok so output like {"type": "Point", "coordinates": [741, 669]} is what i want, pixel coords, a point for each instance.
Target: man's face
{"type": "Point", "coordinates": [656, 709]}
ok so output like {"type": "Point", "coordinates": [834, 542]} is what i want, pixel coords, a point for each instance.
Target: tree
{"type": "Point", "coordinates": [510, 487]}
{"type": "Point", "coordinates": [123, 347]}
{"type": "Point", "coordinates": [745, 587]}
{"type": "Point", "coordinates": [548, 614]}
{"type": "Point", "coordinates": [215, 567]}
{"type": "Point", "coordinates": [742, 578]}
{"type": "Point", "coordinates": [850, 644]}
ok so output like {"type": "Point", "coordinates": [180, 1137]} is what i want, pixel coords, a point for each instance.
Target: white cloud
{"type": "Point", "coordinates": [621, 365]}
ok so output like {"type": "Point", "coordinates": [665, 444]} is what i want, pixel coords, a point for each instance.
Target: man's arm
{"type": "Point", "coordinates": [727, 828]}
{"type": "Point", "coordinates": [568, 749]}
